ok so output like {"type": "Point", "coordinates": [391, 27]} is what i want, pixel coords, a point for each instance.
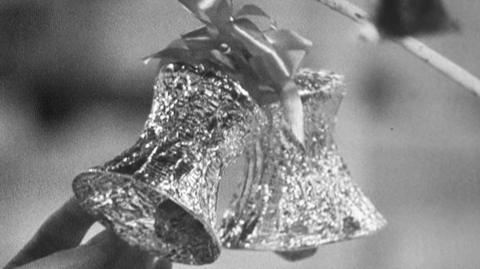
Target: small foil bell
{"type": "Point", "coordinates": [161, 194]}
{"type": "Point", "coordinates": [296, 197]}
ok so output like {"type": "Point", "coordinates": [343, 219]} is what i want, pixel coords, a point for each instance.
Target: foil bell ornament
{"type": "Point", "coordinates": [161, 193]}
{"type": "Point", "coordinates": [295, 197]}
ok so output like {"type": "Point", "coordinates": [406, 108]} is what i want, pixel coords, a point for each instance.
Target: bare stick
{"type": "Point", "coordinates": [412, 45]}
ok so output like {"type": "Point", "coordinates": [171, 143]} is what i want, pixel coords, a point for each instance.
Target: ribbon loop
{"type": "Point", "coordinates": [255, 11]}
{"type": "Point", "coordinates": [264, 58]}
{"type": "Point", "coordinates": [288, 40]}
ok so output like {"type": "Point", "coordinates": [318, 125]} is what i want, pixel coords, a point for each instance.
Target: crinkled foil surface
{"type": "Point", "coordinates": [295, 198]}
{"type": "Point", "coordinates": [161, 193]}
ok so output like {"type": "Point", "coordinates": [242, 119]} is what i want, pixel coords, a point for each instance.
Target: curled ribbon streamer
{"type": "Point", "coordinates": [234, 42]}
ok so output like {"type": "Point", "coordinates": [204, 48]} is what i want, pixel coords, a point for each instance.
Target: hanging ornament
{"type": "Point", "coordinates": [399, 18]}
{"type": "Point", "coordinates": [161, 194]}
{"type": "Point", "coordinates": [295, 197]}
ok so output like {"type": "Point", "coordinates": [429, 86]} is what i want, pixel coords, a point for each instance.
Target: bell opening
{"type": "Point", "coordinates": [185, 234]}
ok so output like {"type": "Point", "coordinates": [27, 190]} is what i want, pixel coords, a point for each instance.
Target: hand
{"type": "Point", "coordinates": [57, 245]}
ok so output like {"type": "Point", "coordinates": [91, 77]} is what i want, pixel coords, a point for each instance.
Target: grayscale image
{"type": "Point", "coordinates": [333, 134]}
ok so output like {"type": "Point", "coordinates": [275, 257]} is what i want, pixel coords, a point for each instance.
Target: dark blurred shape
{"type": "Point", "coordinates": [293, 256]}
{"type": "Point", "coordinates": [57, 61]}
{"type": "Point", "coordinates": [21, 22]}
{"type": "Point", "coordinates": [56, 101]}
{"type": "Point", "coordinates": [398, 18]}
{"type": "Point", "coordinates": [53, 104]}
{"type": "Point", "coordinates": [378, 92]}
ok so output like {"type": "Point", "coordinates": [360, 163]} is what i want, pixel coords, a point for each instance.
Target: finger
{"type": "Point", "coordinates": [161, 264]}
{"type": "Point", "coordinates": [130, 257]}
{"type": "Point", "coordinates": [96, 254]}
{"type": "Point", "coordinates": [127, 257]}
{"type": "Point", "coordinates": [64, 229]}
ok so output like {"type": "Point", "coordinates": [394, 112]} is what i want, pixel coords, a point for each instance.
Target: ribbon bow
{"type": "Point", "coordinates": [261, 58]}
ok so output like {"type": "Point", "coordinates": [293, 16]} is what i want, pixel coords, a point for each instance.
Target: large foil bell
{"type": "Point", "coordinates": [296, 197]}
{"type": "Point", "coordinates": [161, 193]}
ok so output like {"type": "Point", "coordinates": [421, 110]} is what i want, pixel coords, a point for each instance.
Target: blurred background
{"type": "Point", "coordinates": [74, 93]}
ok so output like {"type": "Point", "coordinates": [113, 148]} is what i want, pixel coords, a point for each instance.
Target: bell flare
{"type": "Point", "coordinates": [166, 230]}
{"type": "Point", "coordinates": [179, 226]}
{"type": "Point", "coordinates": [112, 198]}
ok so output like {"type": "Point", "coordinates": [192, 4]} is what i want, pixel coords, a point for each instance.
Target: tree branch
{"type": "Point", "coordinates": [412, 45]}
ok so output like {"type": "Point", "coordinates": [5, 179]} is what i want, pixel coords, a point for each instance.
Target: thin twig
{"type": "Point", "coordinates": [412, 45]}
